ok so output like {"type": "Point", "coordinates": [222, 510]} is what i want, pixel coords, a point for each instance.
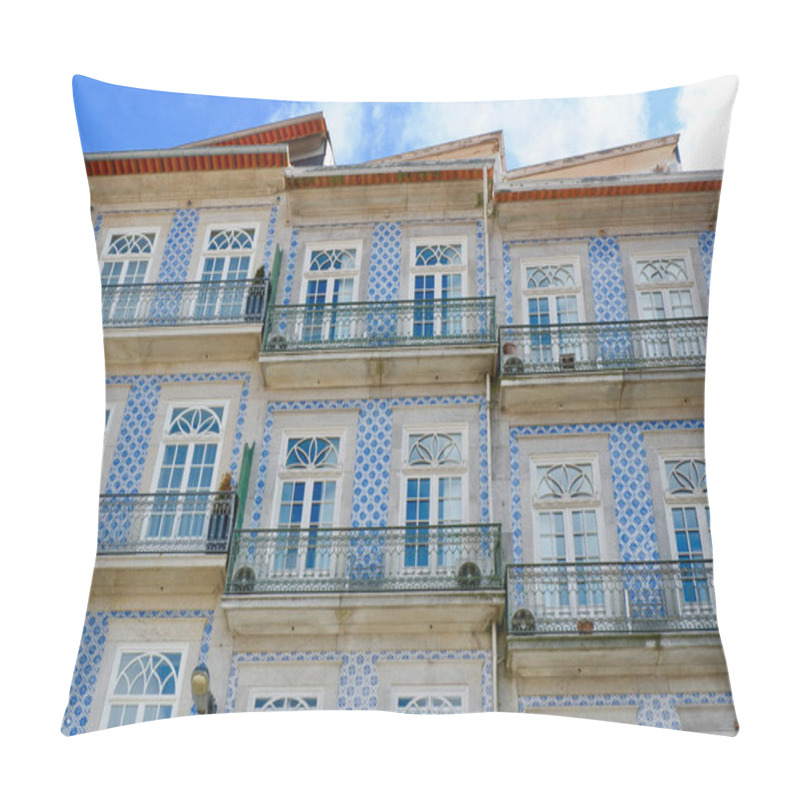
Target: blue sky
{"type": "Point", "coordinates": [112, 117]}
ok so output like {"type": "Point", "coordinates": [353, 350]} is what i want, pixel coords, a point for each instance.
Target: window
{"type": "Point", "coordinates": [144, 687]}
{"type": "Point", "coordinates": [302, 700]}
{"type": "Point", "coordinates": [186, 472]}
{"type": "Point", "coordinates": [688, 518]}
{"type": "Point", "coordinates": [665, 290]}
{"type": "Point", "coordinates": [307, 505]}
{"type": "Point", "coordinates": [225, 269]}
{"type": "Point", "coordinates": [568, 534]}
{"type": "Point", "coordinates": [123, 268]}
{"type": "Point", "coordinates": [420, 700]}
{"type": "Point", "coordinates": [434, 489]}
{"type": "Point", "coordinates": [437, 275]}
{"type": "Point", "coordinates": [329, 281]}
{"type": "Point", "coordinates": [552, 298]}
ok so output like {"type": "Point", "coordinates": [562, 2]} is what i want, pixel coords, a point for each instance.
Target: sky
{"type": "Point", "coordinates": [114, 118]}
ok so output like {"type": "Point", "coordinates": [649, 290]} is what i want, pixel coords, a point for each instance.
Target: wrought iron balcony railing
{"type": "Point", "coordinates": [420, 558]}
{"type": "Point", "coordinates": [183, 303]}
{"type": "Point", "coordinates": [190, 522]}
{"type": "Point", "coordinates": [401, 323]}
{"type": "Point", "coordinates": [602, 597]}
{"type": "Point", "coordinates": [598, 346]}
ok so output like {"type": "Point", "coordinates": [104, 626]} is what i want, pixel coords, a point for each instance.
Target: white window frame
{"type": "Point", "coordinates": [428, 692]}
{"type": "Point", "coordinates": [447, 553]}
{"type": "Point", "coordinates": [190, 439]}
{"type": "Point", "coordinates": [144, 648]}
{"type": "Point", "coordinates": [437, 271]}
{"type": "Point", "coordinates": [214, 297]}
{"type": "Point", "coordinates": [665, 287]}
{"type": "Point", "coordinates": [284, 692]}
{"type": "Point", "coordinates": [330, 327]}
{"type": "Point", "coordinates": [594, 502]}
{"type": "Point", "coordinates": [333, 562]}
{"type": "Point", "coordinates": [133, 306]}
{"type": "Point", "coordinates": [549, 347]}
{"type": "Point", "coordinates": [697, 500]}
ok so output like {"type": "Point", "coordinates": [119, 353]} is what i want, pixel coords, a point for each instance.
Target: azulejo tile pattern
{"type": "Point", "coordinates": [480, 261]}
{"type": "Point", "coordinates": [269, 246]}
{"type": "Point", "coordinates": [384, 262]}
{"type": "Point", "coordinates": [92, 648]}
{"type": "Point", "coordinates": [372, 475]}
{"type": "Point", "coordinates": [633, 503]}
{"type": "Point", "coordinates": [136, 434]}
{"type": "Point", "coordinates": [98, 224]}
{"type": "Point", "coordinates": [179, 246]}
{"type": "Point", "coordinates": [653, 710]}
{"type": "Point", "coordinates": [508, 291]}
{"type": "Point", "coordinates": [608, 286]}
{"type": "Point", "coordinates": [359, 672]}
{"type": "Point", "coordinates": [290, 267]}
{"type": "Point", "coordinates": [705, 241]}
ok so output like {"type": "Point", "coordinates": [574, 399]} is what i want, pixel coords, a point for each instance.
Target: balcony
{"type": "Point", "coordinates": [592, 621]}
{"type": "Point", "coordinates": [183, 320]}
{"type": "Point", "coordinates": [607, 365]}
{"type": "Point", "coordinates": [380, 343]}
{"type": "Point", "coordinates": [363, 579]}
{"type": "Point", "coordinates": [147, 542]}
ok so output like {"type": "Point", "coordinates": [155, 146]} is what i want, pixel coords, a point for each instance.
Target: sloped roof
{"type": "Point", "coordinates": [483, 146]}
{"type": "Point", "coordinates": [648, 156]}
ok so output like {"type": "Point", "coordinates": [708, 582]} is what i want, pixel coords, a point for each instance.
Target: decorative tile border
{"type": "Point", "coordinates": [290, 264]}
{"type": "Point", "coordinates": [705, 241]}
{"type": "Point", "coordinates": [90, 654]}
{"type": "Point", "coordinates": [179, 246]}
{"type": "Point", "coordinates": [633, 503]}
{"type": "Point", "coordinates": [384, 262]}
{"type": "Point", "coordinates": [359, 680]}
{"type": "Point", "coordinates": [480, 260]}
{"type": "Point", "coordinates": [653, 710]}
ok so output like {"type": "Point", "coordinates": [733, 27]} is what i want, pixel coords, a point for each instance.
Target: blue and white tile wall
{"type": "Point", "coordinates": [359, 673]}
{"type": "Point", "coordinates": [136, 434]}
{"type": "Point", "coordinates": [179, 246]}
{"type": "Point", "coordinates": [92, 649]}
{"type": "Point", "coordinates": [608, 284]}
{"type": "Point", "coordinates": [653, 710]}
{"type": "Point", "coordinates": [384, 262]}
{"type": "Point", "coordinates": [630, 477]}
{"type": "Point", "coordinates": [706, 244]}
{"type": "Point", "coordinates": [372, 475]}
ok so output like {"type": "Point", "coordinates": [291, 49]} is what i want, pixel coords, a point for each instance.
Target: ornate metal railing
{"type": "Point", "coordinates": [183, 303]}
{"type": "Point", "coordinates": [603, 597]}
{"type": "Point", "coordinates": [402, 323]}
{"type": "Point", "coordinates": [191, 522]}
{"type": "Point", "coordinates": [455, 557]}
{"type": "Point", "coordinates": [598, 346]}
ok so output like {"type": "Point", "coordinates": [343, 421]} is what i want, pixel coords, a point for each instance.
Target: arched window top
{"type": "Point", "coordinates": [148, 674]}
{"type": "Point", "coordinates": [547, 276]}
{"type": "Point", "coordinates": [430, 704]}
{"type": "Point", "coordinates": [687, 476]}
{"type": "Point", "coordinates": [124, 244]}
{"type": "Point", "coordinates": [231, 239]}
{"type": "Point", "coordinates": [662, 270]}
{"type": "Point", "coordinates": [334, 258]}
{"type": "Point", "coordinates": [438, 255]}
{"type": "Point", "coordinates": [434, 449]}
{"type": "Point", "coordinates": [312, 452]}
{"type": "Point", "coordinates": [286, 702]}
{"type": "Point", "coordinates": [564, 481]}
{"type": "Point", "coordinates": [194, 420]}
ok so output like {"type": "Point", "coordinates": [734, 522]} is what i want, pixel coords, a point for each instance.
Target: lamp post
{"type": "Point", "coordinates": [204, 701]}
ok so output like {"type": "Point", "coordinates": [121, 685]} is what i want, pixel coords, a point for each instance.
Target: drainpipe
{"type": "Point", "coordinates": [494, 665]}
{"type": "Point", "coordinates": [486, 229]}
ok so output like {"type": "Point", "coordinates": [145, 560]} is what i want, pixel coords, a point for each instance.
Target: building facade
{"type": "Point", "coordinates": [423, 434]}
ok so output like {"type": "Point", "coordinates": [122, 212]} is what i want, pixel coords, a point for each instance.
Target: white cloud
{"type": "Point", "coordinates": [704, 112]}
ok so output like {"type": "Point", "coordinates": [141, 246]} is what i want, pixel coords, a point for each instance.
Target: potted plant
{"type": "Point", "coordinates": [254, 306]}
{"type": "Point", "coordinates": [218, 523]}
{"type": "Point", "coordinates": [509, 348]}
